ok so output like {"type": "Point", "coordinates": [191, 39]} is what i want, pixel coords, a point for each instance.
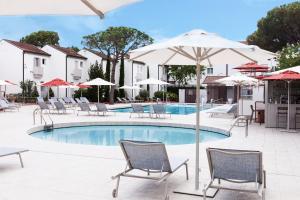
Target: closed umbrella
{"type": "Point", "coordinates": [287, 76]}
{"type": "Point", "coordinates": [239, 80]}
{"type": "Point", "coordinates": [98, 82]}
{"type": "Point", "coordinates": [60, 7]}
{"type": "Point", "coordinates": [198, 48]}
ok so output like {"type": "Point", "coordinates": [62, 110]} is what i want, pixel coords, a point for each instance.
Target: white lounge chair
{"type": "Point", "coordinates": [7, 151]}
{"type": "Point", "coordinates": [150, 158]}
{"type": "Point", "coordinates": [227, 109]}
{"type": "Point", "coordinates": [159, 110]}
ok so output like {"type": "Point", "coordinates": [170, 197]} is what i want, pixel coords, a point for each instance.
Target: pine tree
{"type": "Point", "coordinates": [95, 71]}
{"type": "Point", "coordinates": [107, 76]}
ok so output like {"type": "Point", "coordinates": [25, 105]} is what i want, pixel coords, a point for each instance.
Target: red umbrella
{"type": "Point", "coordinates": [251, 66]}
{"type": "Point", "coordinates": [55, 82]}
{"type": "Point", "coordinates": [83, 86]}
{"type": "Point", "coordinates": [287, 76]}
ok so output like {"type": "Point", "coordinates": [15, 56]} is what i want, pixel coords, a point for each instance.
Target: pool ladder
{"type": "Point", "coordinates": [237, 121]}
{"type": "Point", "coordinates": [47, 126]}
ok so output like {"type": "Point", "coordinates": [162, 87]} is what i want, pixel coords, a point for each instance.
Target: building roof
{"type": "Point", "coordinates": [28, 48]}
{"type": "Point", "coordinates": [97, 53]}
{"type": "Point", "coordinates": [68, 51]}
{"type": "Point", "coordinates": [211, 79]}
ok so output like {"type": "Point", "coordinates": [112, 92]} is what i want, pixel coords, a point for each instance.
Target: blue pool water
{"type": "Point", "coordinates": [171, 108]}
{"type": "Point", "coordinates": [110, 135]}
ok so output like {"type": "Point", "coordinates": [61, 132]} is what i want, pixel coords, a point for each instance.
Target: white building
{"type": "Point", "coordinates": [20, 61]}
{"type": "Point", "coordinates": [65, 64]}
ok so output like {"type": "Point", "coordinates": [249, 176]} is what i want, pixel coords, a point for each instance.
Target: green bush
{"type": "Point", "coordinates": [159, 94]}
{"type": "Point", "coordinates": [172, 96]}
{"type": "Point", "coordinates": [144, 95]}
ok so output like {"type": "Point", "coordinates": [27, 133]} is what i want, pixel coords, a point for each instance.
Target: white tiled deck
{"type": "Point", "coordinates": [82, 172]}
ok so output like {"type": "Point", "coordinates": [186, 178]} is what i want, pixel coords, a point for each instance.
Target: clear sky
{"type": "Point", "coordinates": [161, 19]}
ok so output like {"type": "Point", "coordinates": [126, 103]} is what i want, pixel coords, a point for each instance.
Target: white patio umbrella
{"type": "Point", "coordinates": [127, 87]}
{"type": "Point", "coordinates": [98, 82]}
{"type": "Point", "coordinates": [60, 7]}
{"type": "Point", "coordinates": [152, 81]}
{"type": "Point", "coordinates": [239, 80]}
{"type": "Point", "coordinates": [198, 48]}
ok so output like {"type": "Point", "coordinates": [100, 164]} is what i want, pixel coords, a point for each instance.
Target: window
{"type": "Point", "coordinates": [36, 62]}
{"type": "Point", "coordinates": [247, 92]}
{"type": "Point", "coordinates": [44, 61]}
{"type": "Point", "coordinates": [210, 70]}
{"type": "Point", "coordinates": [81, 64]}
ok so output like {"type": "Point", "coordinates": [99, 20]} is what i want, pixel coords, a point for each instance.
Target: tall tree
{"type": "Point", "coordinates": [41, 38]}
{"type": "Point", "coordinates": [107, 75]}
{"type": "Point", "coordinates": [118, 41]}
{"type": "Point", "coordinates": [183, 74]}
{"type": "Point", "coordinates": [122, 77]}
{"type": "Point", "coordinates": [280, 27]}
{"type": "Point", "coordinates": [148, 76]}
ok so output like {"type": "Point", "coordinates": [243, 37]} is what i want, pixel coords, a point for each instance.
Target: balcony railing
{"type": "Point", "coordinates": [38, 72]}
{"type": "Point", "coordinates": [77, 73]}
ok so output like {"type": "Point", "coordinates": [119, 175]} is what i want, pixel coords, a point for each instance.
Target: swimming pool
{"type": "Point", "coordinates": [109, 135]}
{"type": "Point", "coordinates": [177, 109]}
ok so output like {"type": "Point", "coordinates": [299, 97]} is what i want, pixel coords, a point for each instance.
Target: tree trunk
{"type": "Point", "coordinates": [112, 79]}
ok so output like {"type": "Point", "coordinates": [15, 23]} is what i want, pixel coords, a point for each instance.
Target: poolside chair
{"type": "Point", "coordinates": [125, 100]}
{"type": "Point", "coordinates": [58, 106]}
{"type": "Point", "coordinates": [8, 151]}
{"type": "Point", "coordinates": [159, 110]}
{"type": "Point", "coordinates": [227, 109]}
{"type": "Point", "coordinates": [78, 100]}
{"type": "Point", "coordinates": [43, 106]}
{"type": "Point", "coordinates": [84, 107]}
{"type": "Point", "coordinates": [101, 108]}
{"type": "Point", "coordinates": [151, 158]}
{"type": "Point", "coordinates": [67, 100]}
{"type": "Point", "coordinates": [84, 100]}
{"type": "Point", "coordinates": [137, 109]}
{"type": "Point", "coordinates": [236, 166]}
{"type": "Point", "coordinates": [72, 101]}
{"type": "Point", "coordinates": [121, 100]}
{"type": "Point", "coordinates": [5, 106]}
{"type": "Point", "coordinates": [40, 99]}
{"type": "Point", "coordinates": [52, 101]}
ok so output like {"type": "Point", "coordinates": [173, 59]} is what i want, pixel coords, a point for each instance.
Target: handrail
{"type": "Point", "coordinates": [236, 121]}
{"type": "Point", "coordinates": [212, 101]}
{"type": "Point", "coordinates": [35, 112]}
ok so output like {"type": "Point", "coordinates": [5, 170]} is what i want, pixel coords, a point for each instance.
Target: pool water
{"type": "Point", "coordinates": [171, 108]}
{"type": "Point", "coordinates": [109, 135]}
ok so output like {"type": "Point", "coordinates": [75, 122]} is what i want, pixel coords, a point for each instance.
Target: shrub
{"type": "Point", "coordinates": [172, 96]}
{"type": "Point", "coordinates": [159, 94]}
{"type": "Point", "coordinates": [144, 95]}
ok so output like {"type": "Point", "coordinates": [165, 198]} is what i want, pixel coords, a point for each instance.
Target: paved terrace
{"type": "Point", "coordinates": [83, 172]}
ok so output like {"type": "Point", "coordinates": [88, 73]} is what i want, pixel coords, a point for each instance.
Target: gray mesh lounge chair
{"type": "Point", "coordinates": [7, 151]}
{"type": "Point", "coordinates": [151, 158]}
{"type": "Point", "coordinates": [78, 100]}
{"type": "Point", "coordinates": [125, 100]}
{"type": "Point", "coordinates": [237, 166]}
{"type": "Point", "coordinates": [60, 107]}
{"type": "Point", "coordinates": [84, 100]}
{"type": "Point", "coordinates": [40, 99]}
{"type": "Point", "coordinates": [43, 106]}
{"type": "Point", "coordinates": [159, 110]}
{"type": "Point", "coordinates": [67, 100]}
{"type": "Point", "coordinates": [101, 108]}
{"type": "Point", "coordinates": [12, 105]}
{"type": "Point", "coordinates": [137, 109]}
{"type": "Point", "coordinates": [120, 100]}
{"type": "Point", "coordinates": [84, 107]}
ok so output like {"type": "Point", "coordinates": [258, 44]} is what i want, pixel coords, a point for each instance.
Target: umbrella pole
{"type": "Point", "coordinates": [288, 117]}
{"type": "Point", "coordinates": [98, 93]}
{"type": "Point", "coordinates": [197, 135]}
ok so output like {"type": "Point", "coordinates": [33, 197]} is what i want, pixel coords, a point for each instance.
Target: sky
{"type": "Point", "coordinates": [161, 19]}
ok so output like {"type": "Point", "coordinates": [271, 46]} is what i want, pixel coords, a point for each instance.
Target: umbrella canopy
{"type": "Point", "coordinates": [98, 82]}
{"type": "Point", "coordinates": [295, 69]}
{"type": "Point", "coordinates": [82, 86]}
{"type": "Point", "coordinates": [152, 81]}
{"type": "Point", "coordinates": [285, 75]}
{"type": "Point", "coordinates": [70, 86]}
{"type": "Point", "coordinates": [127, 87]}
{"type": "Point", "coordinates": [252, 66]}
{"type": "Point", "coordinates": [5, 82]}
{"type": "Point", "coordinates": [238, 79]}
{"type": "Point", "coordinates": [60, 7]}
{"type": "Point", "coordinates": [55, 83]}
{"type": "Point", "coordinates": [196, 47]}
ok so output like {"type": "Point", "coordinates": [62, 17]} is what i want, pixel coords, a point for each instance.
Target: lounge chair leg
{"type": "Point", "coordinates": [21, 161]}
{"type": "Point", "coordinates": [265, 181]}
{"type": "Point", "coordinates": [148, 172]}
{"type": "Point", "coordinates": [166, 190]}
{"type": "Point", "coordinates": [263, 195]}
{"type": "Point", "coordinates": [204, 194]}
{"type": "Point", "coordinates": [186, 171]}
{"type": "Point", "coordinates": [115, 191]}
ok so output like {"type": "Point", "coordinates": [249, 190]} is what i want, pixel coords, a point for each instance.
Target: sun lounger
{"type": "Point", "coordinates": [159, 110]}
{"type": "Point", "coordinates": [73, 102]}
{"type": "Point", "coordinates": [236, 166]}
{"type": "Point", "coordinates": [227, 109]}
{"type": "Point", "coordinates": [101, 108]}
{"type": "Point", "coordinates": [78, 100]}
{"type": "Point", "coordinates": [84, 107]}
{"type": "Point", "coordinates": [5, 106]}
{"type": "Point", "coordinates": [40, 99]}
{"type": "Point", "coordinates": [7, 151]}
{"type": "Point", "coordinates": [60, 107]}
{"type": "Point", "coordinates": [43, 106]}
{"type": "Point", "coordinates": [84, 100]}
{"type": "Point", "coordinates": [150, 158]}
{"type": "Point", "coordinates": [67, 100]}
{"type": "Point", "coordinates": [138, 109]}
{"type": "Point", "coordinates": [125, 100]}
